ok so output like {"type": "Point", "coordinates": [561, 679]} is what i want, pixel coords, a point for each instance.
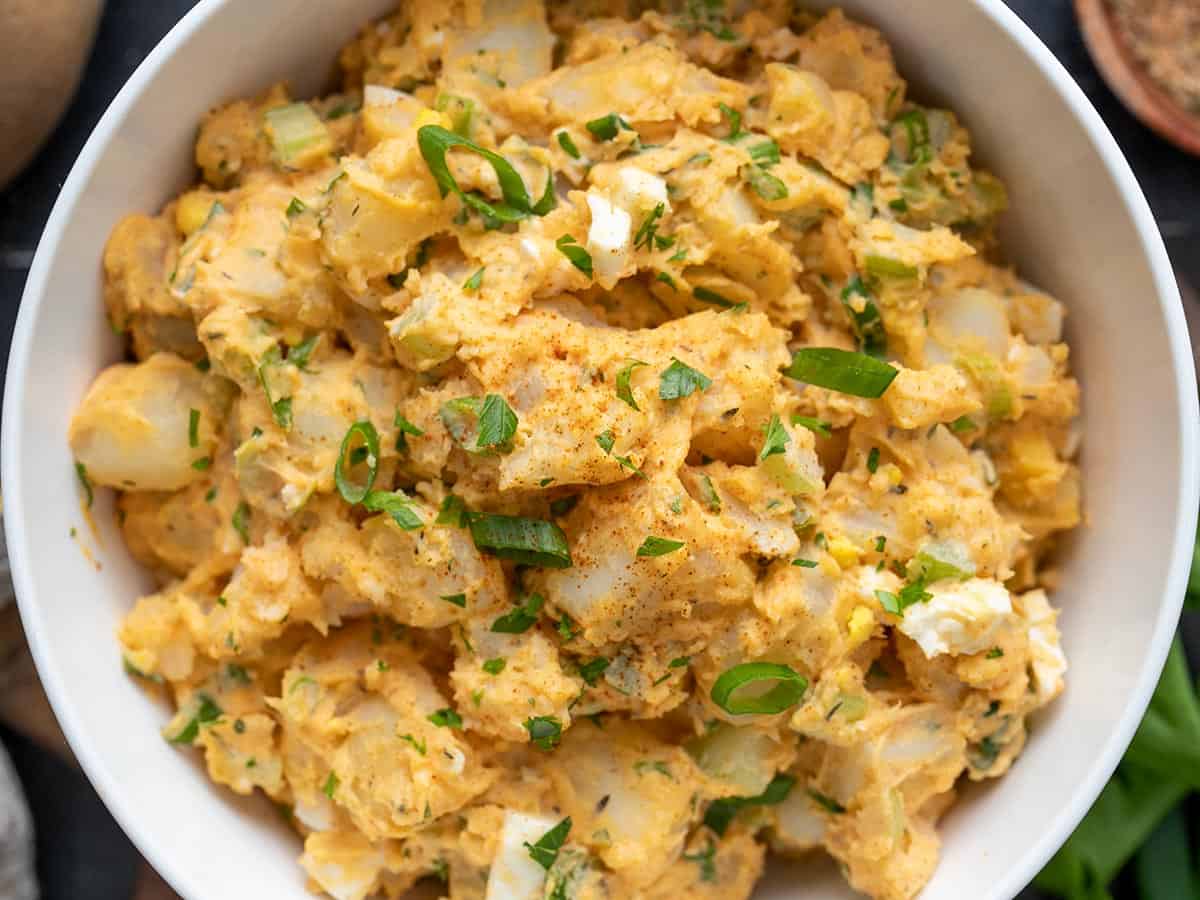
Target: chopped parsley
{"type": "Point", "coordinates": [456, 599]}
{"type": "Point", "coordinates": [818, 426]}
{"type": "Point", "coordinates": [606, 127]}
{"type": "Point", "coordinates": [522, 618]}
{"type": "Point", "coordinates": [680, 380]}
{"type": "Point", "coordinates": [873, 460]}
{"type": "Point", "coordinates": [545, 732]}
{"type": "Point", "coordinates": [568, 145]}
{"type": "Point", "coordinates": [446, 718]}
{"type": "Point", "coordinates": [494, 666]}
{"type": "Point", "coordinates": [544, 851]}
{"type": "Point", "coordinates": [578, 256]}
{"type": "Point", "coordinates": [776, 440]}
{"type": "Point", "coordinates": [658, 546]}
{"type": "Point", "coordinates": [331, 785]}
{"type": "Point", "coordinates": [591, 671]}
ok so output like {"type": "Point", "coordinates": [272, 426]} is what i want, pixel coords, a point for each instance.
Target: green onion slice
{"type": "Point", "coordinates": [842, 370]}
{"type": "Point", "coordinates": [193, 428]}
{"type": "Point", "coordinates": [533, 542]}
{"type": "Point", "coordinates": [766, 185]}
{"type": "Point", "coordinates": [819, 426]}
{"type": "Point", "coordinates": [741, 690]}
{"type": "Point", "coordinates": [625, 390]}
{"type": "Point", "coordinates": [867, 324]}
{"type": "Point", "coordinates": [568, 145]}
{"type": "Point", "coordinates": [351, 492]}
{"type": "Point", "coordinates": [606, 127]}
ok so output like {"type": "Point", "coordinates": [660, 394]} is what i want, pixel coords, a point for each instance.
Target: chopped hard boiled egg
{"type": "Point", "coordinates": [959, 618]}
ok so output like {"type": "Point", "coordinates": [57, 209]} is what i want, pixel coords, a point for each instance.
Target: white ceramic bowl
{"type": "Point", "coordinates": [1079, 226]}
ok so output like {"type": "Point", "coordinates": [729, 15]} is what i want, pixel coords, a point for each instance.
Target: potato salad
{"type": "Point", "coordinates": [597, 446]}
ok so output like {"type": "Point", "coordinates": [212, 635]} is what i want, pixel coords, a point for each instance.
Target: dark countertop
{"type": "Point", "coordinates": [81, 853]}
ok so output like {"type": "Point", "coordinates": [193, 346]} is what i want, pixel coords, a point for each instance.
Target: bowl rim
{"type": "Point", "coordinates": [1167, 296]}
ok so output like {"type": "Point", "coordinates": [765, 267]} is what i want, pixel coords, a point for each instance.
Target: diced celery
{"type": "Point", "coordinates": [297, 134]}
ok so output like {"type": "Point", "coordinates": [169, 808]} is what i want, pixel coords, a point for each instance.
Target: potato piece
{"type": "Point", "coordinates": [132, 429]}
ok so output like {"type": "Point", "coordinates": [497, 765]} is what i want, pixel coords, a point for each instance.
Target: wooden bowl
{"type": "Point", "coordinates": [1131, 82]}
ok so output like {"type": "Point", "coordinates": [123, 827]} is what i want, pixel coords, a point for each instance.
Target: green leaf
{"type": "Point", "coordinates": [646, 237]}
{"type": "Point", "coordinates": [522, 618]}
{"type": "Point", "coordinates": [403, 429]}
{"type": "Point", "coordinates": [241, 521]}
{"type": "Point", "coordinates": [606, 127]}
{"type": "Point", "coordinates": [459, 600]}
{"type": "Point", "coordinates": [735, 122]}
{"type": "Point", "coordinates": [841, 370]}
{"type": "Point", "coordinates": [544, 851]}
{"type": "Point", "coordinates": [435, 141]}
{"type": "Point", "coordinates": [453, 511]}
{"type": "Point", "coordinates": [568, 145]}
{"type": "Point", "coordinates": [658, 546]}
{"type": "Point", "coordinates": [497, 423]}
{"type": "Point", "coordinates": [819, 426]}
{"type": "Point", "coordinates": [206, 713]}
{"type": "Point", "coordinates": [704, 295]}
{"type": "Point", "coordinates": [472, 284]}
{"type": "Point", "coordinates": [331, 785]}
{"type": "Point", "coordinates": [86, 483]}
{"type": "Point", "coordinates": [579, 257]}
{"type": "Point", "coordinates": [866, 323]}
{"type": "Point", "coordinates": [776, 440]}
{"type": "Point", "coordinates": [591, 672]}
{"type": "Point", "coordinates": [446, 718]}
{"type": "Point", "coordinates": [396, 504]}
{"type": "Point", "coordinates": [826, 802]}
{"type": "Point", "coordinates": [680, 380]}
{"type": "Point", "coordinates": [545, 732]}
{"type": "Point", "coordinates": [494, 666]}
{"type": "Point", "coordinates": [763, 183]}
{"type": "Point", "coordinates": [295, 208]}
{"type": "Point", "coordinates": [365, 432]}
{"type": "Point", "coordinates": [625, 391]}
{"type": "Point", "coordinates": [721, 812]}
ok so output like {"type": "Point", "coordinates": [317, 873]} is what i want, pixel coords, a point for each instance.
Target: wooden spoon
{"type": "Point", "coordinates": [1131, 82]}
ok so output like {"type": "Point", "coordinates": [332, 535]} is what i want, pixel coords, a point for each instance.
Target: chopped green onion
{"type": "Point", "coordinates": [579, 257]}
{"type": "Point", "coordinates": [873, 460]}
{"type": "Point", "coordinates": [281, 410]}
{"type": "Point", "coordinates": [606, 439]}
{"type": "Point", "coordinates": [962, 424]}
{"type": "Point", "coordinates": [202, 464]}
{"type": "Point", "coordinates": [522, 618]}
{"type": "Point", "coordinates": [820, 426]}
{"type": "Point", "coordinates": [841, 370]}
{"type": "Point", "coordinates": [866, 323]}
{"type": "Point", "coordinates": [545, 850]}
{"type": "Point", "coordinates": [418, 745]}
{"type": "Point", "coordinates": [85, 483]}
{"type": "Point", "coordinates": [241, 521]}
{"type": "Point", "coordinates": [667, 280]}
{"type": "Point", "coordinates": [566, 628]}
{"type": "Point", "coordinates": [591, 672]}
{"type": "Point", "coordinates": [403, 429]}
{"type": "Point", "coordinates": [766, 153]}
{"type": "Point", "coordinates": [735, 122]}
{"type": "Point", "coordinates": [705, 295]}
{"type": "Point", "coordinates": [295, 207]}
{"type": "Point", "coordinates": [533, 542]}
{"type": "Point", "coordinates": [351, 492]}
{"type": "Point", "coordinates": [828, 803]}
{"type": "Point", "coordinates": [709, 492]}
{"type": "Point", "coordinates": [805, 563]}
{"type": "Point", "coordinates": [995, 653]}
{"type": "Point", "coordinates": [680, 380]}
{"type": "Point", "coordinates": [789, 688]}
{"type": "Point", "coordinates": [193, 428]}
{"type": "Point", "coordinates": [658, 546]}
{"type": "Point", "coordinates": [776, 440]}
{"type": "Point", "coordinates": [545, 732]}
{"type": "Point", "coordinates": [568, 145]}
{"type": "Point", "coordinates": [899, 205]}
{"type": "Point", "coordinates": [446, 718]}
{"type": "Point", "coordinates": [495, 666]}
{"type": "Point", "coordinates": [766, 185]}
{"type": "Point", "coordinates": [331, 785]}
{"type": "Point", "coordinates": [456, 599]}
{"type": "Point", "coordinates": [882, 267]}
{"type": "Point", "coordinates": [606, 127]}
{"type": "Point", "coordinates": [472, 284]}
{"type": "Point", "coordinates": [880, 543]}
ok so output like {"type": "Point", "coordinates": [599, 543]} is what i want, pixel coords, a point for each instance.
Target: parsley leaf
{"type": "Point", "coordinates": [579, 257]}
{"type": "Point", "coordinates": [624, 389]}
{"type": "Point", "coordinates": [680, 380]}
{"type": "Point", "coordinates": [658, 546]}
